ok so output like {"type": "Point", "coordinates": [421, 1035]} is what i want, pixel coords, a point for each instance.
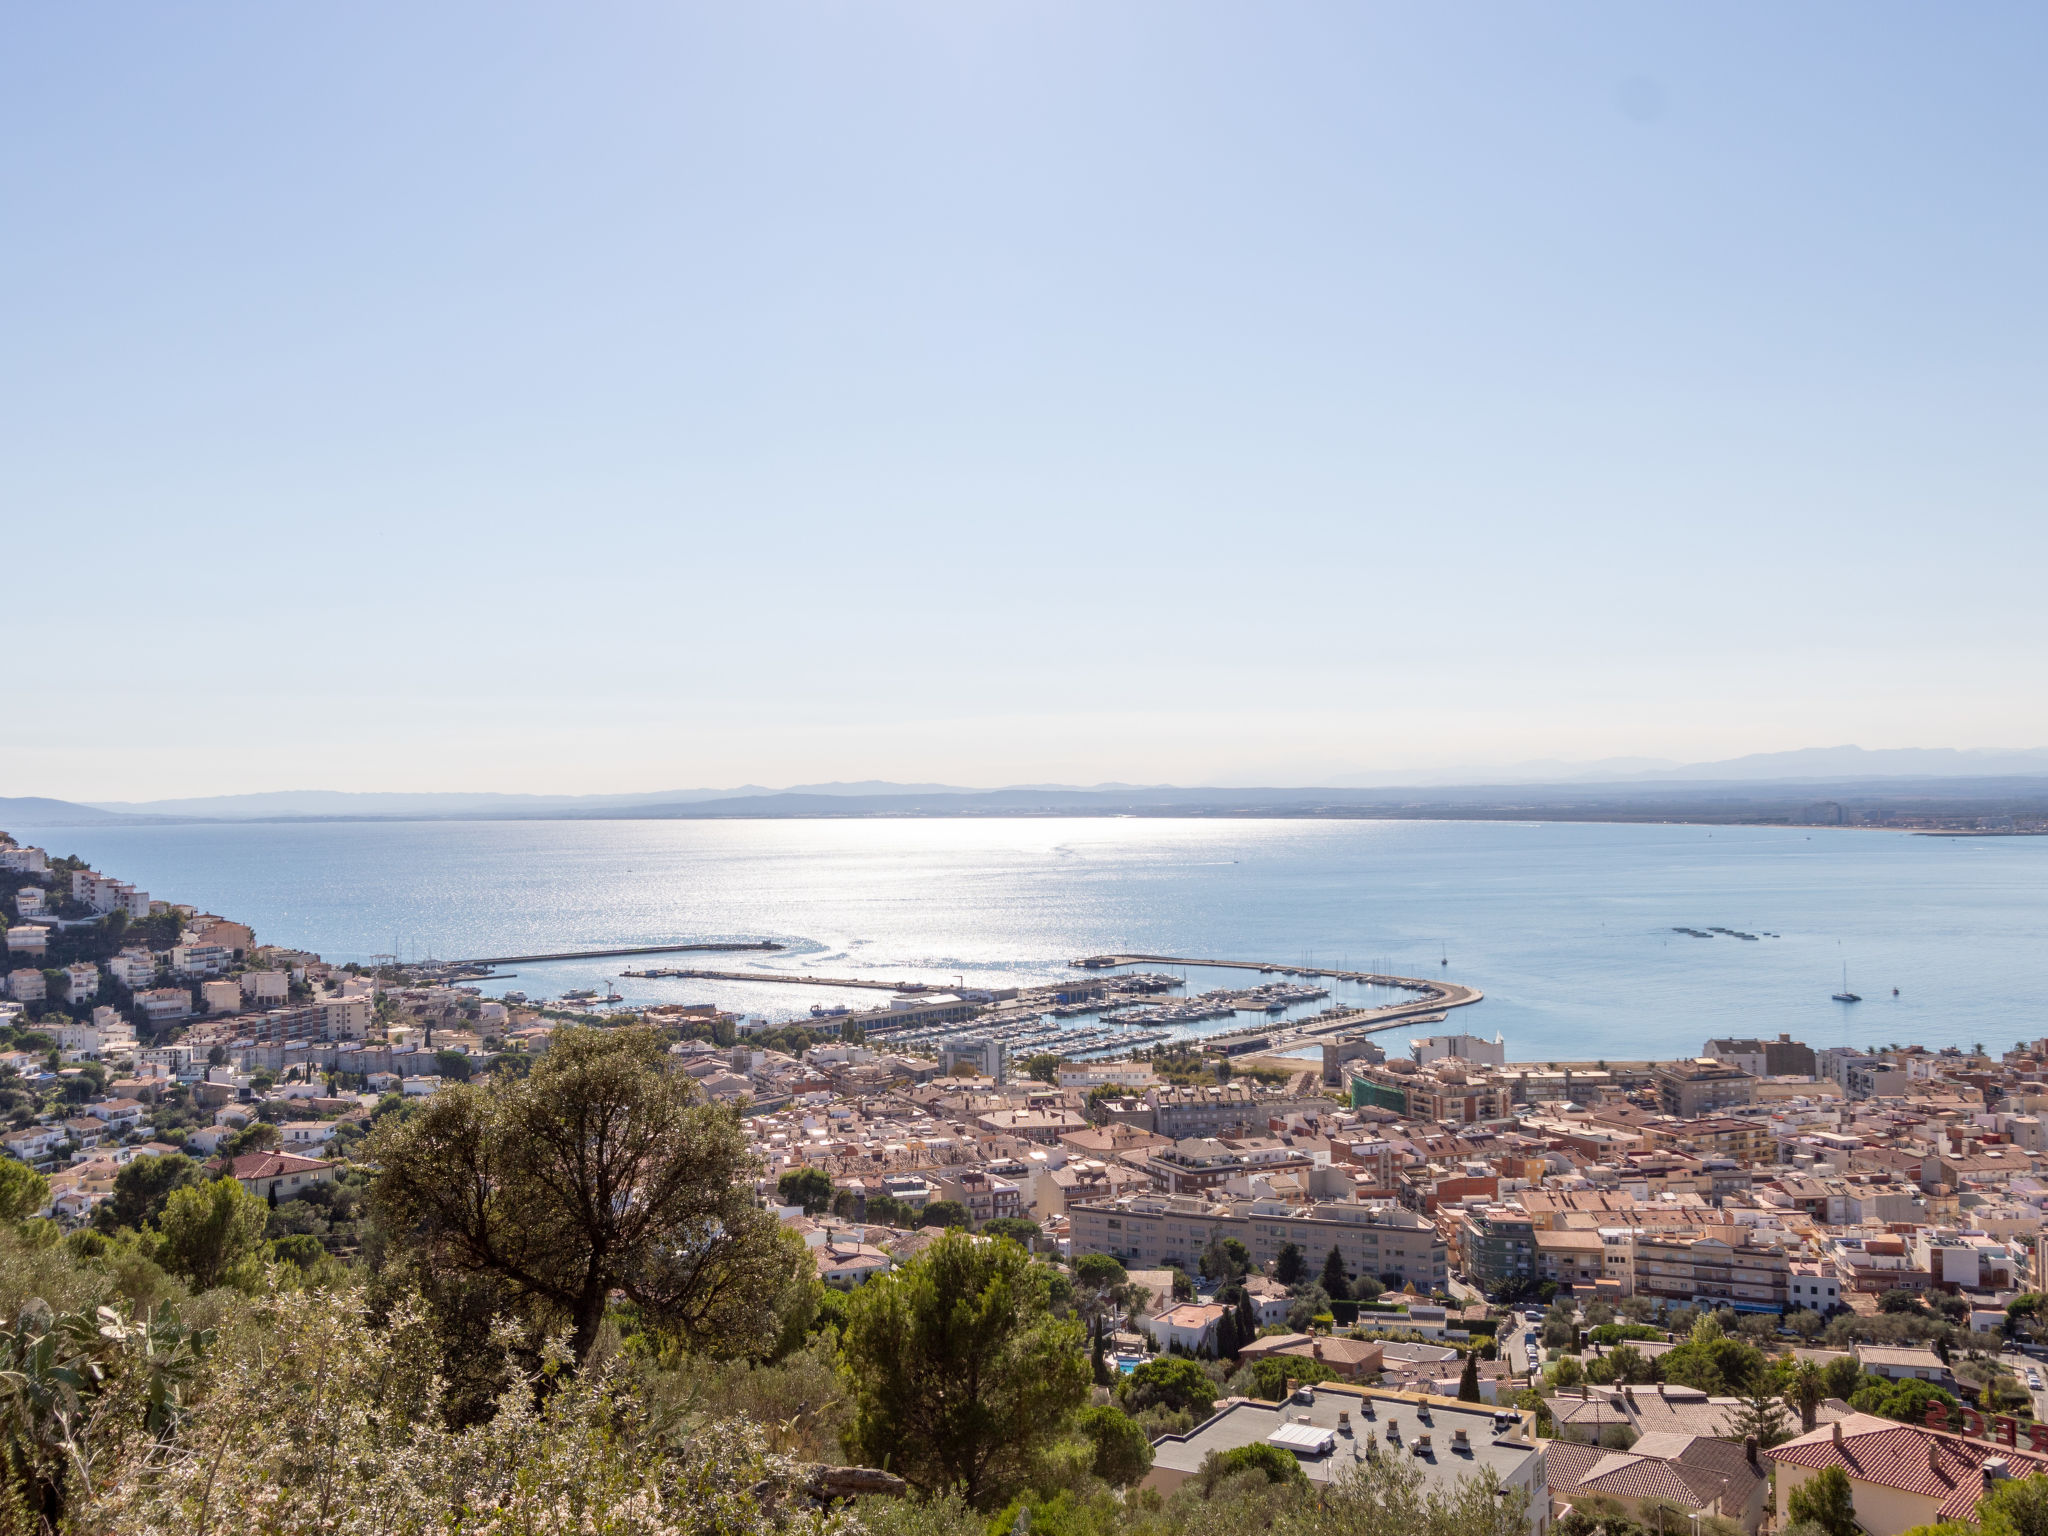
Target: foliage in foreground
{"type": "Point", "coordinates": [306, 1415]}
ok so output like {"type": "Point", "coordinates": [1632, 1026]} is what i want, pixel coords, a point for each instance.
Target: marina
{"type": "Point", "coordinates": [1113, 1010]}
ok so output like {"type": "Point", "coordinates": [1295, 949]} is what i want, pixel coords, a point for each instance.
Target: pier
{"type": "Point", "coordinates": [1436, 997]}
{"type": "Point", "coordinates": [783, 978]}
{"type": "Point", "coordinates": [609, 954]}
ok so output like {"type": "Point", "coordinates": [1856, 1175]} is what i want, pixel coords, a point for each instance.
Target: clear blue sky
{"type": "Point", "coordinates": [552, 398]}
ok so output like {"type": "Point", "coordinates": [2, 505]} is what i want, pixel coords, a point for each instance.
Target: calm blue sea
{"type": "Point", "coordinates": [1567, 927]}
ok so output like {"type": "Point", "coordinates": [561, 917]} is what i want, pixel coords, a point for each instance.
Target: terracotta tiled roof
{"type": "Point", "coordinates": [1874, 1450]}
{"type": "Point", "coordinates": [268, 1165]}
{"type": "Point", "coordinates": [1582, 1469]}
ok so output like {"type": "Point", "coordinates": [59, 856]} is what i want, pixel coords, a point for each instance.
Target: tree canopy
{"type": "Point", "coordinates": [210, 1233]}
{"type": "Point", "coordinates": [599, 1172]}
{"type": "Point", "coordinates": [1176, 1381]}
{"type": "Point", "coordinates": [142, 1188]}
{"type": "Point", "coordinates": [1825, 1500]}
{"type": "Point", "coordinates": [810, 1188]}
{"type": "Point", "coordinates": [958, 1371]}
{"type": "Point", "coordinates": [23, 1191]}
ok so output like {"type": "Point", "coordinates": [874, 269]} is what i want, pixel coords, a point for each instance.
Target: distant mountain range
{"type": "Point", "coordinates": [1762, 786]}
{"type": "Point", "coordinates": [1831, 763]}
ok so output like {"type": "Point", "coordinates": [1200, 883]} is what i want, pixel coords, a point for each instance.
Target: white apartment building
{"type": "Point", "coordinates": [104, 894]}
{"type": "Point", "coordinates": [119, 1114]}
{"type": "Point", "coordinates": [28, 901]}
{"type": "Point", "coordinates": [222, 996]}
{"type": "Point", "coordinates": [107, 1034]}
{"type": "Point", "coordinates": [133, 968]}
{"type": "Point", "coordinates": [202, 959]}
{"type": "Point", "coordinates": [28, 939]}
{"type": "Point", "coordinates": [1473, 1048]}
{"type": "Point", "coordinates": [37, 1144]}
{"type": "Point", "coordinates": [164, 1003]}
{"type": "Point", "coordinates": [25, 861]}
{"type": "Point", "coordinates": [179, 1061]}
{"type": "Point", "coordinates": [25, 985]}
{"type": "Point", "coordinates": [1815, 1287]}
{"type": "Point", "coordinates": [81, 983]}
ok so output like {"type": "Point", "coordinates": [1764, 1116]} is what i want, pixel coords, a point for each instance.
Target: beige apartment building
{"type": "Point", "coordinates": [1689, 1089]}
{"type": "Point", "coordinates": [1747, 1142]}
{"type": "Point", "coordinates": [1686, 1267]}
{"type": "Point", "coordinates": [1155, 1231]}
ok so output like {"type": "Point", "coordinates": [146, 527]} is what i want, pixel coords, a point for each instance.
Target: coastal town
{"type": "Point", "coordinates": [1691, 1284]}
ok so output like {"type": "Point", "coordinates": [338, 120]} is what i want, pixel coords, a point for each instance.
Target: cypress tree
{"type": "Point", "coordinates": [1335, 1281]}
{"type": "Point", "coordinates": [1247, 1319]}
{"type": "Point", "coordinates": [1227, 1343]}
{"type": "Point", "coordinates": [1468, 1380]}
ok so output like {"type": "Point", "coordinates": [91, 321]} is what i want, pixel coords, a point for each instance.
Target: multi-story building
{"type": "Point", "coordinates": [1782, 1057]}
{"type": "Point", "coordinates": [1968, 1261]}
{"type": "Point", "coordinates": [1042, 1123]}
{"type": "Point", "coordinates": [117, 1114]}
{"type": "Point", "coordinates": [1689, 1089]}
{"type": "Point", "coordinates": [1815, 1287]}
{"type": "Point", "coordinates": [179, 1061]}
{"type": "Point", "coordinates": [1686, 1267]}
{"type": "Point", "coordinates": [24, 861]}
{"type": "Point", "coordinates": [261, 987]}
{"type": "Point", "coordinates": [1496, 1243]}
{"type": "Point", "coordinates": [1444, 1091]}
{"type": "Point", "coordinates": [333, 1018]}
{"type": "Point", "coordinates": [1202, 1163]}
{"type": "Point", "coordinates": [1226, 1109]}
{"type": "Point", "coordinates": [160, 1005]}
{"type": "Point", "coordinates": [81, 982]}
{"type": "Point", "coordinates": [1118, 1074]}
{"type": "Point", "coordinates": [26, 985]}
{"type": "Point", "coordinates": [31, 941]}
{"type": "Point", "coordinates": [1153, 1231]}
{"type": "Point", "coordinates": [1747, 1142]}
{"type": "Point", "coordinates": [104, 894]}
{"type": "Point", "coordinates": [205, 928]}
{"type": "Point", "coordinates": [986, 1196]}
{"type": "Point", "coordinates": [133, 968]}
{"type": "Point", "coordinates": [202, 959]}
{"type": "Point", "coordinates": [1468, 1048]}
{"type": "Point", "coordinates": [37, 1145]}
{"type": "Point", "coordinates": [28, 902]}
{"type": "Point", "coordinates": [223, 995]}
{"type": "Point", "coordinates": [1574, 1258]}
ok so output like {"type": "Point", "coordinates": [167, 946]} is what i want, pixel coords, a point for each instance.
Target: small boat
{"type": "Point", "coordinates": [1845, 995]}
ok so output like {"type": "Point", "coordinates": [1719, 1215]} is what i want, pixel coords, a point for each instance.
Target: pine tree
{"type": "Point", "coordinates": [1762, 1414]}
